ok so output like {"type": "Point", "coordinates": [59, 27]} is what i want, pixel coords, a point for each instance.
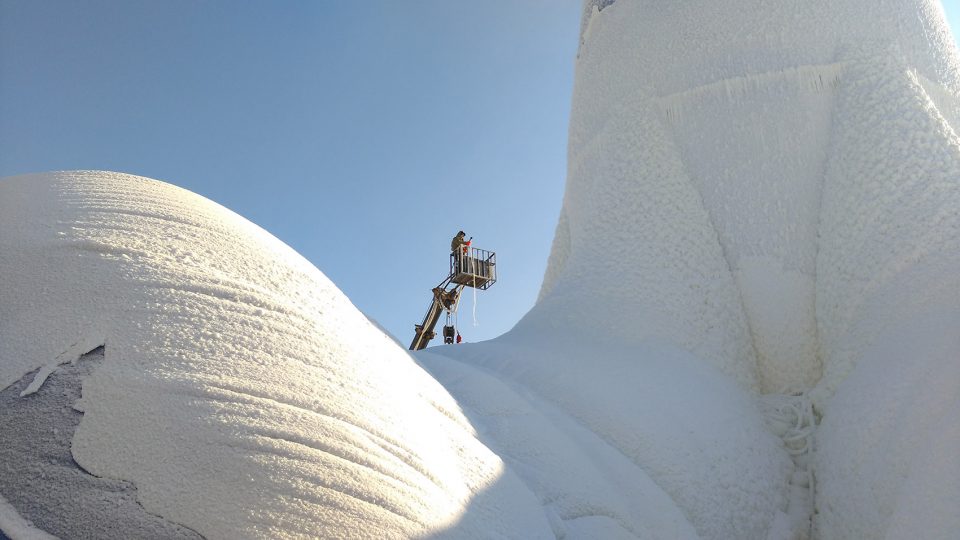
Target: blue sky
{"type": "Point", "coordinates": [363, 134]}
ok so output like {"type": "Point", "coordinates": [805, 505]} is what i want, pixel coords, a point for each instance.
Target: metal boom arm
{"type": "Point", "coordinates": [442, 299]}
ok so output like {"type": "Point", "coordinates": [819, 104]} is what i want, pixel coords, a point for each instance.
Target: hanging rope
{"type": "Point", "coordinates": [475, 323]}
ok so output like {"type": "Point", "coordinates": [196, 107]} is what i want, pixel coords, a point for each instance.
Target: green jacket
{"type": "Point", "coordinates": [458, 242]}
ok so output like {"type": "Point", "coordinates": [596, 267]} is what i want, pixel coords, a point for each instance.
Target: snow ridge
{"type": "Point", "coordinates": [241, 392]}
{"type": "Point", "coordinates": [813, 78]}
{"type": "Point", "coordinates": [759, 229]}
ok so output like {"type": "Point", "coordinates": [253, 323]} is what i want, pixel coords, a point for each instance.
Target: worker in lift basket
{"type": "Point", "coordinates": [459, 247]}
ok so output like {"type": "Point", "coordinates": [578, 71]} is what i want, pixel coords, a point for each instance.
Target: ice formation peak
{"type": "Point", "coordinates": [718, 153]}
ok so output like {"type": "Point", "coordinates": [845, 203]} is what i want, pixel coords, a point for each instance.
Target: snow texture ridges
{"type": "Point", "coordinates": [761, 196]}
{"type": "Point", "coordinates": [241, 392]}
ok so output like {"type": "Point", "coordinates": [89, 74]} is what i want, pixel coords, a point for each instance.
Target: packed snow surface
{"type": "Point", "coordinates": [605, 432]}
{"type": "Point", "coordinates": [49, 487]}
{"type": "Point", "coordinates": [760, 231]}
{"type": "Point", "coordinates": [240, 392]}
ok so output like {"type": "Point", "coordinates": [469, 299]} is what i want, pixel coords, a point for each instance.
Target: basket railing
{"type": "Point", "coordinates": [473, 264]}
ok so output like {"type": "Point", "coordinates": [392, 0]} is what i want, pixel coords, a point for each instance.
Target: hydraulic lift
{"type": "Point", "coordinates": [469, 267]}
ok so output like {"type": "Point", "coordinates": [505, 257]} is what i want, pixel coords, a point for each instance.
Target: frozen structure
{"type": "Point", "coordinates": [770, 189]}
{"type": "Point", "coordinates": [762, 211]}
{"type": "Point", "coordinates": [170, 370]}
{"type": "Point", "coordinates": [774, 187]}
{"type": "Point", "coordinates": [736, 168]}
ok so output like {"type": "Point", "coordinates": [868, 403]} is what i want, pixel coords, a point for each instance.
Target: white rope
{"type": "Point", "coordinates": [475, 323]}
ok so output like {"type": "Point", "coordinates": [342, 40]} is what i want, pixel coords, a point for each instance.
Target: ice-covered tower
{"type": "Point", "coordinates": [744, 178]}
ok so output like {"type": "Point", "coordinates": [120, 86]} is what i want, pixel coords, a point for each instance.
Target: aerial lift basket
{"type": "Point", "coordinates": [469, 267]}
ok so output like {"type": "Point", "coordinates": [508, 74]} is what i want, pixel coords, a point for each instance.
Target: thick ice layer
{"type": "Point", "coordinates": [890, 210]}
{"type": "Point", "coordinates": [241, 392]}
{"type": "Point", "coordinates": [710, 144]}
{"type": "Point", "coordinates": [760, 195]}
{"type": "Point", "coordinates": [887, 461]}
{"type": "Point", "coordinates": [774, 187]}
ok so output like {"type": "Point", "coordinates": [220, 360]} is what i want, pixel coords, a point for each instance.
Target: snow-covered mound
{"type": "Point", "coordinates": [762, 196]}
{"type": "Point", "coordinates": [240, 392]}
{"type": "Point", "coordinates": [622, 442]}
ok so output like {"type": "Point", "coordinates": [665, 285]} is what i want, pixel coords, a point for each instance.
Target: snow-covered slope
{"type": "Point", "coordinates": [647, 441]}
{"type": "Point", "coordinates": [240, 392]}
{"type": "Point", "coordinates": [762, 195]}
{"type": "Point", "coordinates": [771, 189]}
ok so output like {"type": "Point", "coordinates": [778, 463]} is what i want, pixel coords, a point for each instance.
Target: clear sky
{"type": "Point", "coordinates": [363, 134]}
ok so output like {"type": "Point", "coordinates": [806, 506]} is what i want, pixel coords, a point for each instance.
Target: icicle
{"type": "Point", "coordinates": [815, 78]}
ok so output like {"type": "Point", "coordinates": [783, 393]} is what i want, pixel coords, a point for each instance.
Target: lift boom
{"type": "Point", "coordinates": [474, 269]}
{"type": "Point", "coordinates": [442, 300]}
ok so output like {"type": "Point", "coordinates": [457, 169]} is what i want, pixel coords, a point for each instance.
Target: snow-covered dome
{"type": "Point", "coordinates": [762, 212]}
{"type": "Point", "coordinates": [237, 390]}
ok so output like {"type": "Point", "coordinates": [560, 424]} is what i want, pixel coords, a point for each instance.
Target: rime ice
{"type": "Point", "coordinates": [763, 197]}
